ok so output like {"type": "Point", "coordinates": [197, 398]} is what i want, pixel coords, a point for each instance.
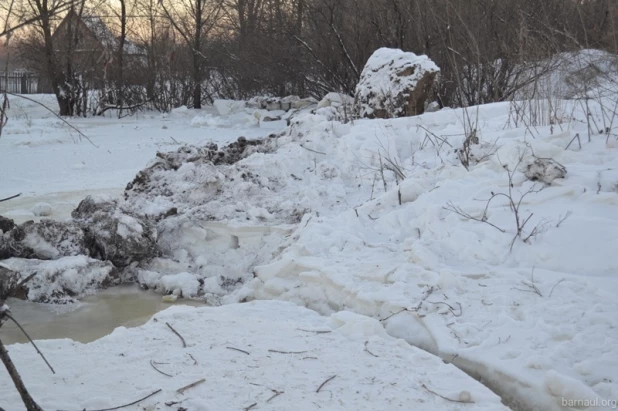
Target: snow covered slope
{"type": "Point", "coordinates": [260, 355]}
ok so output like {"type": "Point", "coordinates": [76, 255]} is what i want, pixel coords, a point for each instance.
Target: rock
{"type": "Point", "coordinates": [395, 83]}
{"type": "Point", "coordinates": [6, 224]}
{"type": "Point", "coordinates": [545, 170]}
{"type": "Point", "coordinates": [267, 118]}
{"type": "Point", "coordinates": [113, 234]}
{"type": "Point", "coordinates": [42, 210]}
{"type": "Point", "coordinates": [45, 240]}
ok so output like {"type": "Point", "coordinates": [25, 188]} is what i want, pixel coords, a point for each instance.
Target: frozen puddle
{"type": "Point", "coordinates": [92, 318]}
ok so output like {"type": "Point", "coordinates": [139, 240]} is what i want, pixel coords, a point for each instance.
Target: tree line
{"type": "Point", "coordinates": [198, 50]}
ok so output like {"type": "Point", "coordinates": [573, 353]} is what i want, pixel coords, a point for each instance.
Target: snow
{"type": "Point", "coordinates": [78, 276]}
{"type": "Point", "coordinates": [356, 221]}
{"type": "Point", "coordinates": [184, 284]}
{"type": "Point", "coordinates": [283, 348]}
{"type": "Point", "coordinates": [42, 210]}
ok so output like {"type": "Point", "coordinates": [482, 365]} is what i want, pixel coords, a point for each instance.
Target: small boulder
{"type": "Point", "coordinates": [395, 83]}
{"type": "Point", "coordinates": [45, 240]}
{"type": "Point", "coordinates": [114, 234]}
{"type": "Point", "coordinates": [545, 170]}
{"type": "Point", "coordinates": [6, 224]}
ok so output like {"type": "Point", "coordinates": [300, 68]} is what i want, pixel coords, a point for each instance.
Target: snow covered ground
{"type": "Point", "coordinates": [40, 155]}
{"type": "Point", "coordinates": [260, 355]}
{"type": "Point", "coordinates": [383, 235]}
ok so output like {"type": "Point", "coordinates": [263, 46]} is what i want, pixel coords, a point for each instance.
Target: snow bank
{"type": "Point", "coordinates": [399, 251]}
{"type": "Point", "coordinates": [394, 83]}
{"type": "Point", "coordinates": [227, 107]}
{"type": "Point", "coordinates": [272, 354]}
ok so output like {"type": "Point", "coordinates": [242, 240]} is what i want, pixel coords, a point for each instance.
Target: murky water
{"type": "Point", "coordinates": [92, 318]}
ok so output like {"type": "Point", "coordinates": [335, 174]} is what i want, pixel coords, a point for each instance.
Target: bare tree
{"type": "Point", "coordinates": [195, 20]}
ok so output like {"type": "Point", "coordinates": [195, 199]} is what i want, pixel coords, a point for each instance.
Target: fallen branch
{"type": "Point", "coordinates": [277, 393]}
{"type": "Point", "coordinates": [239, 350]}
{"type": "Point", "coordinates": [554, 287]}
{"type": "Point", "coordinates": [193, 384]}
{"type": "Point", "coordinates": [54, 113]}
{"type": "Point", "coordinates": [29, 402]}
{"type": "Point", "coordinates": [367, 349]}
{"type": "Point", "coordinates": [158, 370]}
{"type": "Point", "coordinates": [287, 352]}
{"type": "Point", "coordinates": [250, 406]}
{"type": "Point", "coordinates": [184, 344]}
{"type": "Point", "coordinates": [30, 339]}
{"type": "Point", "coordinates": [10, 198]}
{"type": "Point", "coordinates": [468, 401]}
{"type": "Point", "coordinates": [194, 360]}
{"type": "Point", "coordinates": [324, 383]}
{"type": "Point", "coordinates": [313, 151]}
{"type": "Point", "coordinates": [315, 331]}
{"type": "Point", "coordinates": [127, 405]}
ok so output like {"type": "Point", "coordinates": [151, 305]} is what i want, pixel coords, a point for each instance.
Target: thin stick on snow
{"type": "Point", "coordinates": [10, 198]}
{"type": "Point", "coordinates": [324, 383]}
{"type": "Point", "coordinates": [239, 350]}
{"type": "Point", "coordinates": [127, 405]}
{"type": "Point", "coordinates": [193, 384]}
{"type": "Point", "coordinates": [578, 140]}
{"type": "Point", "coordinates": [313, 151]}
{"type": "Point", "coordinates": [446, 398]}
{"type": "Point", "coordinates": [184, 344]}
{"type": "Point", "coordinates": [30, 339]}
{"type": "Point", "coordinates": [367, 349]}
{"type": "Point", "coordinates": [287, 352]}
{"type": "Point", "coordinates": [315, 331]}
{"type": "Point", "coordinates": [277, 393]}
{"type": "Point", "coordinates": [158, 370]}
{"type": "Point", "coordinates": [554, 287]}
{"type": "Point", "coordinates": [250, 406]}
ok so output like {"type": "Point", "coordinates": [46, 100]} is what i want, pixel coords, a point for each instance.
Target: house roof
{"type": "Point", "coordinates": [101, 32]}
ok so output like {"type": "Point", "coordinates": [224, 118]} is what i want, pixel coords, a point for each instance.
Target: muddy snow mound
{"type": "Point", "coordinates": [45, 240]}
{"type": "Point", "coordinates": [62, 280]}
{"type": "Point", "coordinates": [113, 234]}
{"type": "Point", "coordinates": [395, 83]}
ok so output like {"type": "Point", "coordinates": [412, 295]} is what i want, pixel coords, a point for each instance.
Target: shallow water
{"type": "Point", "coordinates": [92, 318]}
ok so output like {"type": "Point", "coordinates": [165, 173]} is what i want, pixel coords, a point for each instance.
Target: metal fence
{"type": "Point", "coordinates": [20, 83]}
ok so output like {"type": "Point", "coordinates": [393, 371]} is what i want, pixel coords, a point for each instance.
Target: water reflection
{"type": "Point", "coordinates": [92, 318]}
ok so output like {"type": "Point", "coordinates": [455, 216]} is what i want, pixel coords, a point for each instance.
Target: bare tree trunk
{"type": "Point", "coordinates": [120, 58]}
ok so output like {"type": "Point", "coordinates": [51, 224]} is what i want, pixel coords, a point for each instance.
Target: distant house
{"type": "Point", "coordinates": [94, 48]}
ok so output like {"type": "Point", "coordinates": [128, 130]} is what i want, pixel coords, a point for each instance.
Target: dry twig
{"type": "Point", "coordinates": [184, 344]}
{"type": "Point", "coordinates": [193, 384]}
{"type": "Point", "coordinates": [158, 370]}
{"type": "Point", "coordinates": [128, 405]}
{"type": "Point", "coordinates": [324, 383]}
{"type": "Point", "coordinates": [239, 350]}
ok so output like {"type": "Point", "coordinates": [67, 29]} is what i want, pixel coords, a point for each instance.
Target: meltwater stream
{"type": "Point", "coordinates": [90, 319]}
